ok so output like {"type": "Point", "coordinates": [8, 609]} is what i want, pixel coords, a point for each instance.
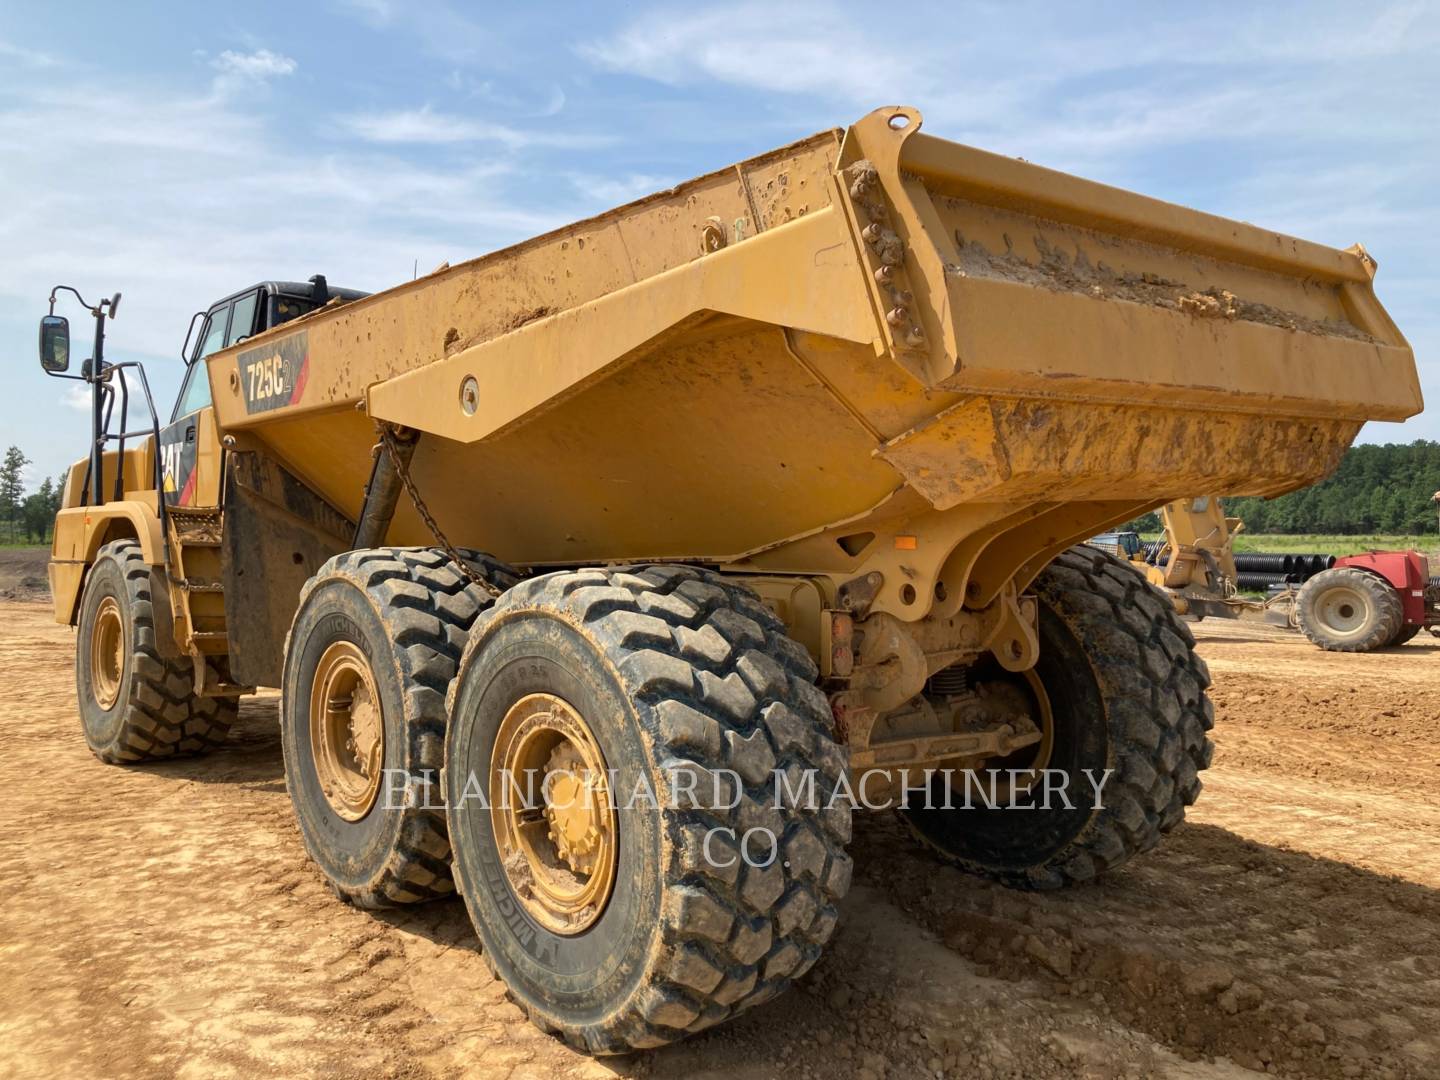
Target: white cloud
{"type": "Point", "coordinates": [819, 50]}
{"type": "Point", "coordinates": [144, 223]}
{"type": "Point", "coordinates": [32, 58]}
{"type": "Point", "coordinates": [425, 126]}
{"type": "Point", "coordinates": [76, 396]}
{"type": "Point", "coordinates": [375, 13]}
{"type": "Point", "coordinates": [259, 65]}
{"type": "Point", "coordinates": [441, 29]}
{"type": "Point", "coordinates": [240, 73]}
{"type": "Point", "coordinates": [608, 191]}
{"type": "Point", "coordinates": [1085, 89]}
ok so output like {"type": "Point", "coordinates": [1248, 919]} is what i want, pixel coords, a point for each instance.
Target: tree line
{"type": "Point", "coordinates": [26, 517]}
{"type": "Point", "coordinates": [1377, 489]}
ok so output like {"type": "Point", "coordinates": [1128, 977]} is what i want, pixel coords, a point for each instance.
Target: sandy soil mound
{"type": "Point", "coordinates": [22, 573]}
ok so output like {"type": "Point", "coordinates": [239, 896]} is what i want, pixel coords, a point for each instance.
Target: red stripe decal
{"type": "Point", "coordinates": [301, 379]}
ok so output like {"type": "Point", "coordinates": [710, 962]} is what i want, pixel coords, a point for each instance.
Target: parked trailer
{"type": "Point", "coordinates": [1368, 601]}
{"type": "Point", "coordinates": [779, 475]}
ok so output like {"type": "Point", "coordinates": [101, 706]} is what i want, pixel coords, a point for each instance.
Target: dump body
{"type": "Point", "coordinates": [871, 351]}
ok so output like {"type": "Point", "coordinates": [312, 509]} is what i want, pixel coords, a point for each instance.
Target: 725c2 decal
{"type": "Point", "coordinates": [273, 375]}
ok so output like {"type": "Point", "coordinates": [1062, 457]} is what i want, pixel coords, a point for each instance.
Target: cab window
{"type": "Point", "coordinates": [213, 340]}
{"type": "Point", "coordinates": [194, 393]}
{"type": "Point", "coordinates": [224, 326]}
{"type": "Point", "coordinates": [242, 322]}
{"type": "Point", "coordinates": [291, 307]}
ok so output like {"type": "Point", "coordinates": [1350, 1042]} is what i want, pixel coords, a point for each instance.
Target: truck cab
{"type": "Point", "coordinates": [190, 474]}
{"type": "Point", "coordinates": [132, 479]}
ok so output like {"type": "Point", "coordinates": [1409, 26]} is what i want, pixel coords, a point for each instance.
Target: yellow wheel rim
{"type": "Point", "coordinates": [347, 731]}
{"type": "Point", "coordinates": [555, 829]}
{"type": "Point", "coordinates": [107, 652]}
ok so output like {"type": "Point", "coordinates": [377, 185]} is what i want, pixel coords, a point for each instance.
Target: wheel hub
{"type": "Point", "coordinates": [347, 731]}
{"type": "Point", "coordinates": [555, 830]}
{"type": "Point", "coordinates": [1032, 701]}
{"type": "Point", "coordinates": [107, 653]}
{"type": "Point", "coordinates": [574, 816]}
{"type": "Point", "coordinates": [1341, 610]}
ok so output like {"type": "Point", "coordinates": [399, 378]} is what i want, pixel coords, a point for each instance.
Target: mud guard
{"type": "Point", "coordinates": [277, 534]}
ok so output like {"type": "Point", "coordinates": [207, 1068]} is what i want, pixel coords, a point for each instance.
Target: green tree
{"type": "Point", "coordinates": [12, 486]}
{"type": "Point", "coordinates": [1375, 489]}
{"type": "Point", "coordinates": [1145, 523]}
{"type": "Point", "coordinates": [38, 512]}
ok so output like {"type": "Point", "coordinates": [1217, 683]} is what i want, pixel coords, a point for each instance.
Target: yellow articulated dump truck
{"type": "Point", "coordinates": [778, 477]}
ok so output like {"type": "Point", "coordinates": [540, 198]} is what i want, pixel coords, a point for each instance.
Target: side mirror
{"type": "Point", "coordinates": [55, 344]}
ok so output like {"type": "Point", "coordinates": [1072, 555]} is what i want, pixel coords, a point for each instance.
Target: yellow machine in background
{"type": "Point", "coordinates": [1196, 560]}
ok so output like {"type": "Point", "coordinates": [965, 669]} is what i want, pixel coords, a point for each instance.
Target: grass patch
{"type": "Point", "coordinates": [1322, 544]}
{"type": "Point", "coordinates": [1332, 545]}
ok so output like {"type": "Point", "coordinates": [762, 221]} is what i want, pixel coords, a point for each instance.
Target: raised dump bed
{"type": "Point", "coordinates": [765, 365]}
{"type": "Point", "coordinates": [784, 463]}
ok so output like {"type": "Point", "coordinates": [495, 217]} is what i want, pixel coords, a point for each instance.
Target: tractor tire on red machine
{"type": "Point", "coordinates": [1346, 609]}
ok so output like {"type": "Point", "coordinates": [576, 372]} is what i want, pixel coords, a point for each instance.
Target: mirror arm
{"type": "Point", "coordinates": [74, 292]}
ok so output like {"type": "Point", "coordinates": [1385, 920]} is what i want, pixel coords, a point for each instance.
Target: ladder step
{"type": "Point", "coordinates": [199, 585]}
{"type": "Point", "coordinates": [226, 689]}
{"type": "Point", "coordinates": [210, 642]}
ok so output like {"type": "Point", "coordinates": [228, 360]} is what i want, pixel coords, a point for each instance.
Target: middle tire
{"type": "Point", "coordinates": [647, 676]}
{"type": "Point", "coordinates": [370, 655]}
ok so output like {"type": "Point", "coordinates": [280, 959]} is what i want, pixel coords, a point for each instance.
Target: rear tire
{"type": "Point", "coordinates": [674, 671]}
{"type": "Point", "coordinates": [135, 704]}
{"type": "Point", "coordinates": [1127, 693]}
{"type": "Point", "coordinates": [1345, 609]}
{"type": "Point", "coordinates": [382, 626]}
{"type": "Point", "coordinates": [1407, 631]}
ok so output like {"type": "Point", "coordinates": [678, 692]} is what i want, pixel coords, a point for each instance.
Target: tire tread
{"type": "Point", "coordinates": [164, 718]}
{"type": "Point", "coordinates": [717, 684]}
{"type": "Point", "coordinates": [429, 606]}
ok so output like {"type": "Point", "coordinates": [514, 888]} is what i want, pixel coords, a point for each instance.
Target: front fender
{"type": "Point", "coordinates": [80, 533]}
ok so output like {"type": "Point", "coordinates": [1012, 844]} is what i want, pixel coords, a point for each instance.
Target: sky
{"type": "Point", "coordinates": [179, 152]}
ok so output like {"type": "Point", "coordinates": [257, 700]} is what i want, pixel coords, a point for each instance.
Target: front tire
{"type": "Point", "coordinates": [1345, 609]}
{"type": "Point", "coordinates": [674, 673]}
{"type": "Point", "coordinates": [135, 703]}
{"type": "Point", "coordinates": [1126, 692]}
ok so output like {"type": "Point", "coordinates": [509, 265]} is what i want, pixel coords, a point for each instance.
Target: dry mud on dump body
{"type": "Point", "coordinates": [163, 920]}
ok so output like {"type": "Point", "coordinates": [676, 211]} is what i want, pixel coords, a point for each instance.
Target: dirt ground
{"type": "Point", "coordinates": [164, 921]}
{"type": "Point", "coordinates": [22, 573]}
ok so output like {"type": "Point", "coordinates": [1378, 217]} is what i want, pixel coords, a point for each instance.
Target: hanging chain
{"type": "Point", "coordinates": [402, 469]}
